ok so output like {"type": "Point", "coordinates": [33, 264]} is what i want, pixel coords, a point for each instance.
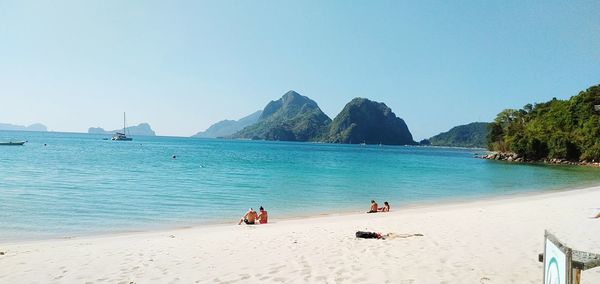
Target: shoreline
{"type": "Point", "coordinates": [495, 240]}
{"type": "Point", "coordinates": [515, 158]}
{"type": "Point", "coordinates": [416, 205]}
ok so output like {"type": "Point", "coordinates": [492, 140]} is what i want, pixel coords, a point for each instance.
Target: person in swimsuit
{"type": "Point", "coordinates": [262, 215]}
{"type": "Point", "coordinates": [385, 208]}
{"type": "Point", "coordinates": [249, 218]}
{"type": "Point", "coordinates": [373, 207]}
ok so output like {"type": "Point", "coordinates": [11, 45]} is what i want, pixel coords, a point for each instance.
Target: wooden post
{"type": "Point", "coordinates": [576, 276]}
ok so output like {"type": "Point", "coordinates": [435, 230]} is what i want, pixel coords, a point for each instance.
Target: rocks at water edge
{"type": "Point", "coordinates": [513, 157]}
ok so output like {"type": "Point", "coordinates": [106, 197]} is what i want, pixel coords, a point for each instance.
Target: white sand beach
{"type": "Point", "coordinates": [488, 241]}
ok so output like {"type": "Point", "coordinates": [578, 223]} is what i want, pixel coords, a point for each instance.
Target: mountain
{"type": "Point", "coordinates": [292, 118]}
{"type": "Point", "coordinates": [469, 135]}
{"type": "Point", "coordinates": [33, 127]}
{"type": "Point", "coordinates": [554, 130]}
{"type": "Point", "coordinates": [225, 128]}
{"type": "Point", "coordinates": [366, 121]}
{"type": "Point", "coordinates": [143, 129]}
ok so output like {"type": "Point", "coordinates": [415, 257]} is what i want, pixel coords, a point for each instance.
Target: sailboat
{"type": "Point", "coordinates": [121, 136]}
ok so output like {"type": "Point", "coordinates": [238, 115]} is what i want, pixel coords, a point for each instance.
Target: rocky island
{"type": "Point", "coordinates": [366, 121]}
{"type": "Point", "coordinates": [472, 135]}
{"type": "Point", "coordinates": [227, 127]}
{"type": "Point", "coordinates": [292, 118]}
{"type": "Point", "coordinates": [142, 129]}
{"type": "Point", "coordinates": [298, 118]}
{"type": "Point", "coordinates": [33, 127]}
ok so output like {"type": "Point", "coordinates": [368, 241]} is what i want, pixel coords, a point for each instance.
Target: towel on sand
{"type": "Point", "coordinates": [374, 235]}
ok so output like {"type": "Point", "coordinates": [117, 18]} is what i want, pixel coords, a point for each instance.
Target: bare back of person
{"type": "Point", "coordinates": [373, 208]}
{"type": "Point", "coordinates": [249, 218]}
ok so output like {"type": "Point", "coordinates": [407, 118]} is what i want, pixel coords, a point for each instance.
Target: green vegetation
{"type": "Point", "coordinates": [558, 129]}
{"type": "Point", "coordinates": [298, 118]}
{"type": "Point", "coordinates": [291, 118]}
{"type": "Point", "coordinates": [365, 121]}
{"type": "Point", "coordinates": [469, 135]}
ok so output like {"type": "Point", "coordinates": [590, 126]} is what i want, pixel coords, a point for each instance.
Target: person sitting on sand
{"type": "Point", "coordinates": [249, 218]}
{"type": "Point", "coordinates": [262, 216]}
{"type": "Point", "coordinates": [385, 208]}
{"type": "Point", "coordinates": [373, 207]}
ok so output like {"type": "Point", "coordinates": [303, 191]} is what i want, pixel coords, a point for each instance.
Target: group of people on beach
{"type": "Point", "coordinates": [374, 207]}
{"type": "Point", "coordinates": [251, 217]}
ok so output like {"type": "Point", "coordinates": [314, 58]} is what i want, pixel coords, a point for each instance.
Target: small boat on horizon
{"type": "Point", "coordinates": [13, 143]}
{"type": "Point", "coordinates": [122, 136]}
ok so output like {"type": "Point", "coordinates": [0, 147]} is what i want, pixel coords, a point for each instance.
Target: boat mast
{"type": "Point", "coordinates": [124, 124]}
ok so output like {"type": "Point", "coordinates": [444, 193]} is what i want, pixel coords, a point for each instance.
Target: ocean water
{"type": "Point", "coordinates": [80, 184]}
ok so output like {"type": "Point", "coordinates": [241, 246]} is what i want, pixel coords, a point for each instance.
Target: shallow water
{"type": "Point", "coordinates": [80, 184]}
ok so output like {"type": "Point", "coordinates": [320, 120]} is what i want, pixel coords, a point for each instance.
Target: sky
{"type": "Point", "coordinates": [184, 65]}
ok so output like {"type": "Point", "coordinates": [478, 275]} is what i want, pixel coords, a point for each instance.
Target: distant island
{"type": "Point", "coordinates": [298, 118]}
{"type": "Point", "coordinates": [472, 135]}
{"type": "Point", "coordinates": [292, 118]}
{"type": "Point", "coordinates": [557, 131]}
{"type": "Point", "coordinates": [226, 128]}
{"type": "Point", "coordinates": [142, 129]}
{"type": "Point", "coordinates": [34, 127]}
{"type": "Point", "coordinates": [366, 121]}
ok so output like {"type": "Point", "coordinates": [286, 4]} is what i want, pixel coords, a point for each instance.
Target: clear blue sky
{"type": "Point", "coordinates": [183, 65]}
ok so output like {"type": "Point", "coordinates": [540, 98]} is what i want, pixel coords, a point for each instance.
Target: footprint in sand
{"type": "Point", "coordinates": [244, 276]}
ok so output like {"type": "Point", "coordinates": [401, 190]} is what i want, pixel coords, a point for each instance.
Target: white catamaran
{"type": "Point", "coordinates": [122, 136]}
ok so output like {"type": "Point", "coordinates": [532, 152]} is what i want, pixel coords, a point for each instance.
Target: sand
{"type": "Point", "coordinates": [486, 241]}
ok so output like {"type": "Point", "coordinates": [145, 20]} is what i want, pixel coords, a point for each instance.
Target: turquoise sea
{"type": "Point", "coordinates": [80, 184]}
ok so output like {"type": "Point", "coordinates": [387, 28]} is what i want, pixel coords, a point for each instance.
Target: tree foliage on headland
{"type": "Point", "coordinates": [557, 129]}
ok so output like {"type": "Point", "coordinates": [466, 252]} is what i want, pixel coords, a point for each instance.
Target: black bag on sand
{"type": "Point", "coordinates": [367, 235]}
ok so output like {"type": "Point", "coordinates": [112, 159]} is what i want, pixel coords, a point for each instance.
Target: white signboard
{"type": "Point", "coordinates": [555, 264]}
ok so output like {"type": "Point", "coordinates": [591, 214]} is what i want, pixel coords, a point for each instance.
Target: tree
{"type": "Point", "coordinates": [564, 129]}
